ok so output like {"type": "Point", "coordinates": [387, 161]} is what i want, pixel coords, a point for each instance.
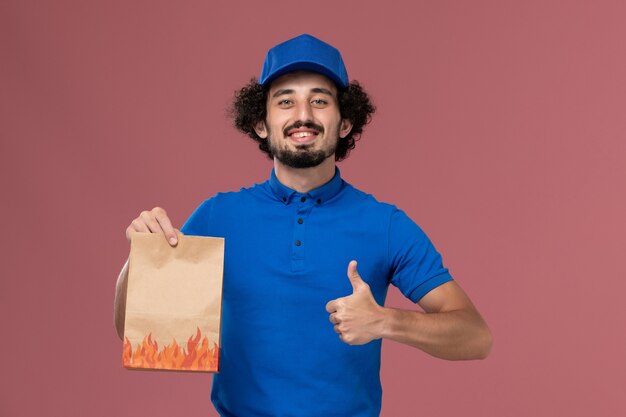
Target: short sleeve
{"type": "Point", "coordinates": [416, 266]}
{"type": "Point", "coordinates": [198, 223]}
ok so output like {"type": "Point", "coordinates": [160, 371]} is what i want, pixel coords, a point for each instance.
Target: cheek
{"type": "Point", "coordinates": [329, 122]}
{"type": "Point", "coordinates": [276, 122]}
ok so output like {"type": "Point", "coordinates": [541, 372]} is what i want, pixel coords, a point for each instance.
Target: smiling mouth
{"type": "Point", "coordinates": [302, 135]}
{"type": "Point", "coordinates": [303, 132]}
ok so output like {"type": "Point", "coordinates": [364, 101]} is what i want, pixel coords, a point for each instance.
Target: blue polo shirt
{"type": "Point", "coordinates": [286, 256]}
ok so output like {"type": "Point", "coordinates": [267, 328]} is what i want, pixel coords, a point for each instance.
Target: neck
{"type": "Point", "coordinates": [304, 180]}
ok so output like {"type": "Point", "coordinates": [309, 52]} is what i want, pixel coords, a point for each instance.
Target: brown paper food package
{"type": "Point", "coordinates": [174, 303]}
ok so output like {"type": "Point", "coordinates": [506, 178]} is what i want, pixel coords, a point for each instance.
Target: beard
{"type": "Point", "coordinates": [303, 156]}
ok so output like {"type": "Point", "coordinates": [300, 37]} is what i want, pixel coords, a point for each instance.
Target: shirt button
{"type": "Point", "coordinates": [319, 201]}
{"type": "Point", "coordinates": [300, 221]}
{"type": "Point", "coordinates": [284, 198]}
{"type": "Point", "coordinates": [303, 199]}
{"type": "Point", "coordinates": [298, 243]}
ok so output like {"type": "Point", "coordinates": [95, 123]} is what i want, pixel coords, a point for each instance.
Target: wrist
{"type": "Point", "coordinates": [396, 323]}
{"type": "Point", "coordinates": [387, 318]}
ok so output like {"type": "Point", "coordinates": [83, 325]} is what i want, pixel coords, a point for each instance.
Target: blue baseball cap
{"type": "Point", "coordinates": [304, 53]}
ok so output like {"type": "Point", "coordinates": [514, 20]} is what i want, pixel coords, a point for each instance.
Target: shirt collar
{"type": "Point", "coordinates": [320, 194]}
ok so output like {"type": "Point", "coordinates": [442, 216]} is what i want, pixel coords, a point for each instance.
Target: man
{"type": "Point", "coordinates": [298, 337]}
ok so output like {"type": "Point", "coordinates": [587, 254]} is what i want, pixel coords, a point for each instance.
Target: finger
{"type": "Point", "coordinates": [166, 225]}
{"type": "Point", "coordinates": [353, 275]}
{"type": "Point", "coordinates": [147, 217]}
{"type": "Point", "coordinates": [336, 329]}
{"type": "Point", "coordinates": [136, 226]}
{"type": "Point", "coordinates": [333, 318]}
{"type": "Point", "coordinates": [331, 306]}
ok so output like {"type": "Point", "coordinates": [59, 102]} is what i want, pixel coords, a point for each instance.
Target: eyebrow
{"type": "Point", "coordinates": [318, 90]}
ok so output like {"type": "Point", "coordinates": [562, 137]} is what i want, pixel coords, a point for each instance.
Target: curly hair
{"type": "Point", "coordinates": [249, 107]}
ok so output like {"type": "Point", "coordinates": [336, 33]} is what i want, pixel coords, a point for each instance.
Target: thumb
{"type": "Point", "coordinates": [353, 276]}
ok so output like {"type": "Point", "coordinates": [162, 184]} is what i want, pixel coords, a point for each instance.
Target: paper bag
{"type": "Point", "coordinates": [174, 303]}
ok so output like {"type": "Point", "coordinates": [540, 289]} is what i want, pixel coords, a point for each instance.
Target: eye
{"type": "Point", "coordinates": [284, 103]}
{"type": "Point", "coordinates": [319, 102]}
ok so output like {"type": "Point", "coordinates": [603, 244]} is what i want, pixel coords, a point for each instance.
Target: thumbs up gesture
{"type": "Point", "coordinates": [357, 318]}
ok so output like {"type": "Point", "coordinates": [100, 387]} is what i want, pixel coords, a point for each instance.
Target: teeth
{"type": "Point", "coordinates": [302, 134]}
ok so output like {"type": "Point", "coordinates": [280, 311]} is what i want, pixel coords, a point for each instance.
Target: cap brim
{"type": "Point", "coordinates": [303, 66]}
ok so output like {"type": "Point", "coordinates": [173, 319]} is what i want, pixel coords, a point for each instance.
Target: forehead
{"type": "Point", "coordinates": [302, 81]}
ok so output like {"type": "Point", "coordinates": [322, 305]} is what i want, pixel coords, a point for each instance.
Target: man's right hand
{"type": "Point", "coordinates": [154, 221]}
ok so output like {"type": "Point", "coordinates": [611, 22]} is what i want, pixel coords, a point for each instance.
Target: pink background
{"type": "Point", "coordinates": [500, 130]}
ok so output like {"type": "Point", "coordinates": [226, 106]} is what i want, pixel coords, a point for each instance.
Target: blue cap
{"type": "Point", "coordinates": [304, 53]}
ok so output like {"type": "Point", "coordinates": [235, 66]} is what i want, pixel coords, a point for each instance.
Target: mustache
{"type": "Point", "coordinates": [308, 125]}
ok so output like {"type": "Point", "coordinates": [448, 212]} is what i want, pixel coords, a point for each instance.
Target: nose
{"type": "Point", "coordinates": [304, 111]}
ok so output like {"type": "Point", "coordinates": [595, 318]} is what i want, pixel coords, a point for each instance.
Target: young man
{"type": "Point", "coordinates": [299, 338]}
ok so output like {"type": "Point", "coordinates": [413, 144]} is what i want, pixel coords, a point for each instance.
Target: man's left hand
{"type": "Point", "coordinates": [358, 318]}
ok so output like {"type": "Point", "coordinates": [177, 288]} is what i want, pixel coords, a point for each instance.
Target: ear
{"type": "Point", "coordinates": [261, 129]}
{"type": "Point", "coordinates": [345, 128]}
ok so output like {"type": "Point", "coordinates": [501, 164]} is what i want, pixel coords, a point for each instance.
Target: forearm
{"type": "Point", "coordinates": [452, 335]}
{"type": "Point", "coordinates": [119, 309]}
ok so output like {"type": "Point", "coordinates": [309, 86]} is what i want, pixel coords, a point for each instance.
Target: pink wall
{"type": "Point", "coordinates": [501, 130]}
